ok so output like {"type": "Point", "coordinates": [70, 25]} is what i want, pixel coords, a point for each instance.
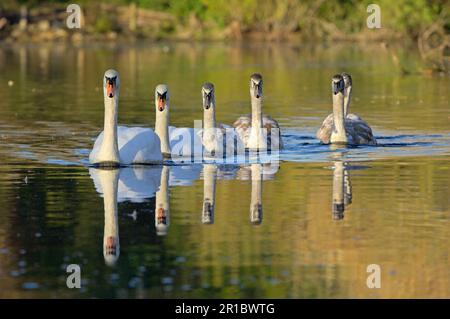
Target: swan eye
{"type": "Point", "coordinates": [162, 96]}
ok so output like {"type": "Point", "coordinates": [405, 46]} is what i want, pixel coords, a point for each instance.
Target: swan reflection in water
{"type": "Point", "coordinates": [257, 173]}
{"type": "Point", "coordinates": [342, 189]}
{"type": "Point", "coordinates": [209, 193]}
{"type": "Point", "coordinates": [139, 184]}
{"type": "Point", "coordinates": [108, 181]}
{"type": "Point", "coordinates": [162, 208]}
{"type": "Point", "coordinates": [254, 172]}
{"type": "Point", "coordinates": [135, 185]}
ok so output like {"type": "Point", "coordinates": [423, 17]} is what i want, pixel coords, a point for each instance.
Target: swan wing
{"type": "Point", "coordinates": [360, 132]}
{"type": "Point", "coordinates": [354, 117]}
{"type": "Point", "coordinates": [242, 127]}
{"type": "Point", "coordinates": [271, 125]}
{"type": "Point", "coordinates": [138, 145]}
{"type": "Point", "coordinates": [324, 132]}
{"type": "Point", "coordinates": [185, 141]}
{"type": "Point", "coordinates": [96, 148]}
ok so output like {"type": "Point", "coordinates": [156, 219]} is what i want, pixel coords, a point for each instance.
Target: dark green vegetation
{"type": "Point", "coordinates": [271, 19]}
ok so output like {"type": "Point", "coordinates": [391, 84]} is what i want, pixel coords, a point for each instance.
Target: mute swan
{"type": "Point", "coordinates": [337, 128]}
{"type": "Point", "coordinates": [119, 144]}
{"type": "Point", "coordinates": [175, 142]}
{"type": "Point", "coordinates": [215, 136]}
{"type": "Point", "coordinates": [258, 131]}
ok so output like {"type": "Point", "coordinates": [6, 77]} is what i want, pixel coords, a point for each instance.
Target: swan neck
{"type": "Point", "coordinates": [256, 112]}
{"type": "Point", "coordinates": [162, 129]}
{"type": "Point", "coordinates": [339, 134]}
{"type": "Point", "coordinates": [109, 148]}
{"type": "Point", "coordinates": [347, 100]}
{"type": "Point", "coordinates": [209, 116]}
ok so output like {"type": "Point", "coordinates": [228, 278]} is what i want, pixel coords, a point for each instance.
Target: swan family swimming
{"type": "Point", "coordinates": [122, 145]}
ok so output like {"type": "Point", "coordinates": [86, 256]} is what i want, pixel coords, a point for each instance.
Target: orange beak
{"type": "Point", "coordinates": [161, 104]}
{"type": "Point", "coordinates": [110, 89]}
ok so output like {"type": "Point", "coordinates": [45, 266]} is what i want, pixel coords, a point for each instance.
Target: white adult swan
{"type": "Point", "coordinates": [119, 144]}
{"type": "Point", "coordinates": [175, 142]}
{"type": "Point", "coordinates": [341, 129]}
{"type": "Point", "coordinates": [258, 131]}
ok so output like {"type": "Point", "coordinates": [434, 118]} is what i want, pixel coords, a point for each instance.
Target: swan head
{"type": "Point", "coordinates": [347, 79]}
{"type": "Point", "coordinates": [256, 85]}
{"type": "Point", "coordinates": [111, 250]}
{"type": "Point", "coordinates": [207, 95]}
{"type": "Point", "coordinates": [337, 84]}
{"type": "Point", "coordinates": [161, 97]}
{"type": "Point", "coordinates": [111, 83]}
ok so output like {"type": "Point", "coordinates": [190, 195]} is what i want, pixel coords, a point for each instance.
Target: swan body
{"type": "Point", "coordinates": [342, 127]}
{"type": "Point", "coordinates": [357, 130]}
{"type": "Point", "coordinates": [184, 142]}
{"type": "Point", "coordinates": [258, 131]}
{"type": "Point", "coordinates": [122, 145]}
{"type": "Point", "coordinates": [136, 145]}
{"type": "Point", "coordinates": [243, 126]}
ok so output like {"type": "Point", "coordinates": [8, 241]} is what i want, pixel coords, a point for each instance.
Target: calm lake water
{"type": "Point", "coordinates": [322, 214]}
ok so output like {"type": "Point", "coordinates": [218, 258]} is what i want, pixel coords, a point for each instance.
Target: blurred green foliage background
{"type": "Point", "coordinates": [349, 16]}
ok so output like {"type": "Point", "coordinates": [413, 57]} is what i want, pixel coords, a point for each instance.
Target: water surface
{"type": "Point", "coordinates": [305, 227]}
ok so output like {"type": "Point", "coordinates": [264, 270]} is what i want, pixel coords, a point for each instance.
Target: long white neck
{"type": "Point", "coordinates": [257, 138]}
{"type": "Point", "coordinates": [162, 130]}
{"type": "Point", "coordinates": [256, 197]}
{"type": "Point", "coordinates": [338, 190]}
{"type": "Point", "coordinates": [338, 135]}
{"type": "Point", "coordinates": [209, 193]}
{"type": "Point", "coordinates": [209, 116]}
{"type": "Point", "coordinates": [109, 183]}
{"type": "Point", "coordinates": [109, 150]}
{"type": "Point", "coordinates": [162, 209]}
{"type": "Point", "coordinates": [347, 100]}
